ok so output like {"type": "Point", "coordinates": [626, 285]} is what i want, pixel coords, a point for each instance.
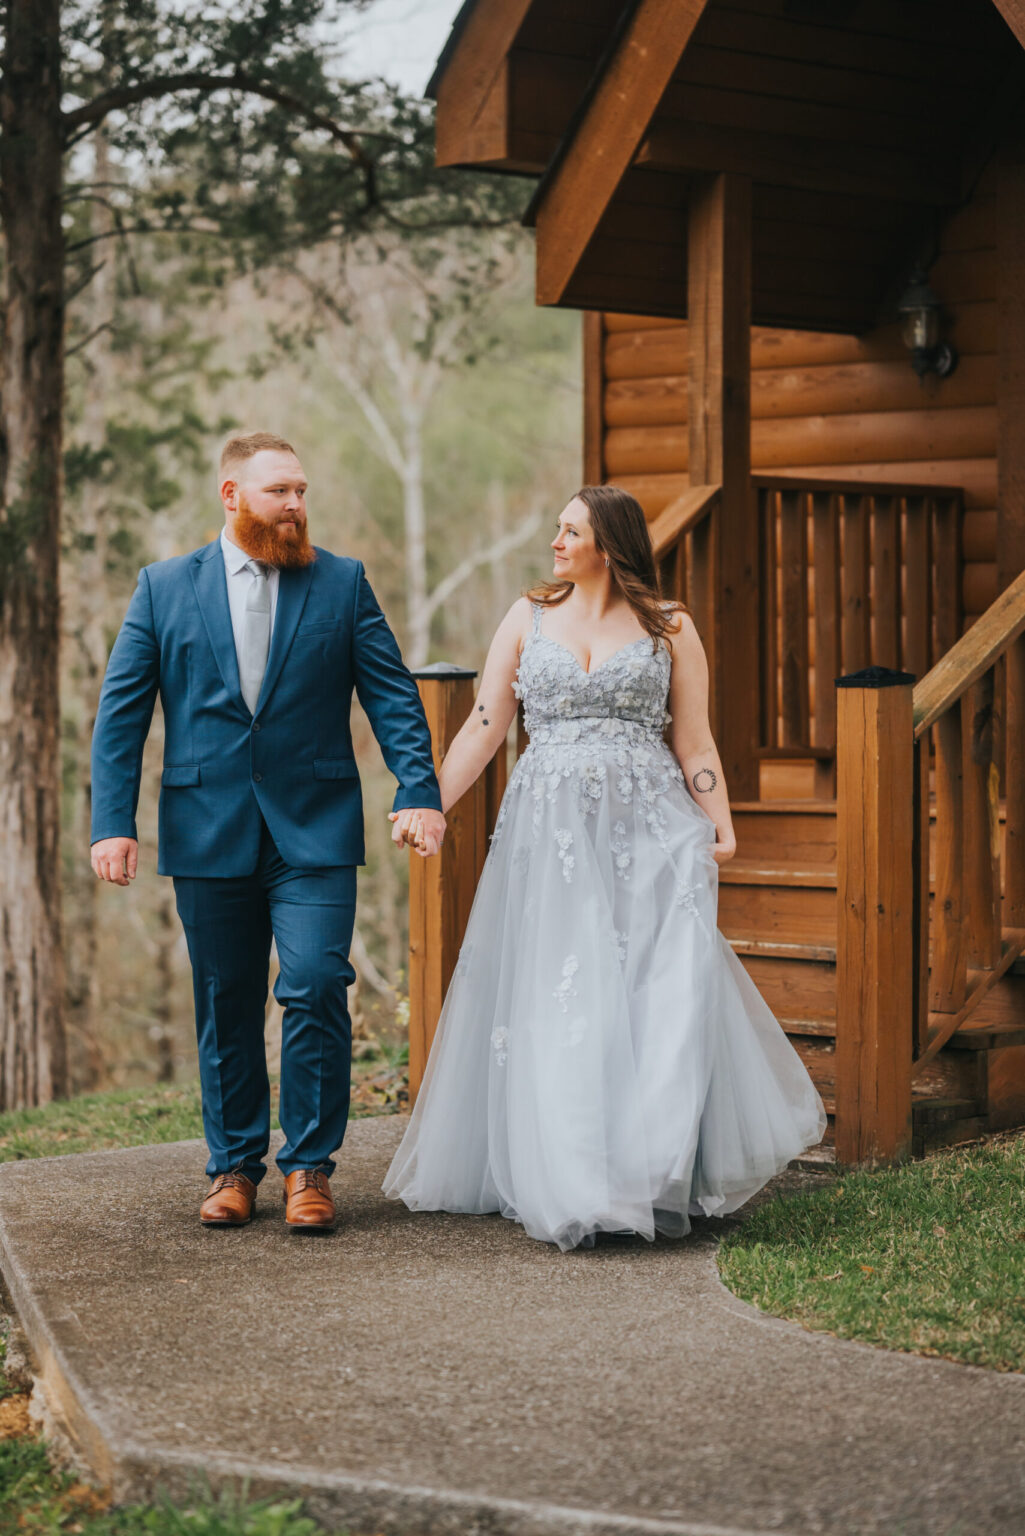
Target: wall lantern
{"type": "Point", "coordinates": [919, 309]}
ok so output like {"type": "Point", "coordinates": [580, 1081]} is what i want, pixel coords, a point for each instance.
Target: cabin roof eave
{"type": "Point", "coordinates": [447, 53]}
{"type": "Point", "coordinates": [580, 208]}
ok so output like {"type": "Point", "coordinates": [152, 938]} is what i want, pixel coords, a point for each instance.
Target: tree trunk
{"type": "Point", "coordinates": [84, 608]}
{"type": "Point", "coordinates": [32, 1043]}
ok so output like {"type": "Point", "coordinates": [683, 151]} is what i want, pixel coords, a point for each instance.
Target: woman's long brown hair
{"type": "Point", "coordinates": [621, 534]}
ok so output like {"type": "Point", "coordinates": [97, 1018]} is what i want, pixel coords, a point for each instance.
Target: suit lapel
{"type": "Point", "coordinates": [210, 581]}
{"type": "Point", "coordinates": [292, 589]}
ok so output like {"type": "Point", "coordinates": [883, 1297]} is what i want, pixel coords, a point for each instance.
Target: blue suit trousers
{"type": "Point", "coordinates": [229, 924]}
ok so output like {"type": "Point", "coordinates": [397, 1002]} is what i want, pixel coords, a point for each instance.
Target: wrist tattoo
{"type": "Point", "coordinates": [480, 711]}
{"type": "Point", "coordinates": [704, 789]}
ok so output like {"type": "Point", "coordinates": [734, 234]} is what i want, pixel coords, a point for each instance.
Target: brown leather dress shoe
{"type": "Point", "coordinates": [309, 1204]}
{"type": "Point", "coordinates": [230, 1201]}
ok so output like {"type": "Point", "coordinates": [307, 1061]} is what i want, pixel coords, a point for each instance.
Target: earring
{"type": "Point", "coordinates": [606, 559]}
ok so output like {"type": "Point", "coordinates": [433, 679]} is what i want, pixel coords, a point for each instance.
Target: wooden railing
{"type": "Point", "coordinates": [851, 575]}
{"type": "Point", "coordinates": [976, 929]}
{"type": "Point", "coordinates": [684, 538]}
{"type": "Point", "coordinates": [911, 970]}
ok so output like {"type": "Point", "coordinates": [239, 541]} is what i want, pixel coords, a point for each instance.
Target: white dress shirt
{"type": "Point", "coordinates": [240, 579]}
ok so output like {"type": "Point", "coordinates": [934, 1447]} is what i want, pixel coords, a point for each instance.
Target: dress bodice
{"type": "Point", "coordinates": [563, 703]}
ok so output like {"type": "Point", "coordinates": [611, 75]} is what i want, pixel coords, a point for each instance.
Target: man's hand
{"type": "Point", "coordinates": [421, 829]}
{"type": "Point", "coordinates": [115, 859]}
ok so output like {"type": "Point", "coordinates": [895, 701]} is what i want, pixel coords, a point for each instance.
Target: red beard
{"type": "Point", "coordinates": [287, 548]}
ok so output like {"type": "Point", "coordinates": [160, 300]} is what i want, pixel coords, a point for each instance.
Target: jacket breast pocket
{"type": "Point", "coordinates": [318, 628]}
{"type": "Point", "coordinates": [335, 768]}
{"type": "Point", "coordinates": [179, 775]}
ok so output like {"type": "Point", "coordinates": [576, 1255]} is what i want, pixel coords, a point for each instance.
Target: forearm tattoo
{"type": "Point", "coordinates": [704, 773]}
{"type": "Point", "coordinates": [481, 711]}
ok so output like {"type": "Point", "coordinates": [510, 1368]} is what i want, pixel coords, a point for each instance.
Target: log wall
{"type": "Point", "coordinates": [834, 406]}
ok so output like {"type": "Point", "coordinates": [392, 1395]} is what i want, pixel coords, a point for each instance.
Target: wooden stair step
{"type": "Point", "coordinates": [946, 1079]}
{"type": "Point", "coordinates": [786, 829]}
{"type": "Point", "coordinates": [784, 914]}
{"type": "Point", "coordinates": [803, 1024]}
{"type": "Point", "coordinates": [940, 1123]}
{"type": "Point", "coordinates": [797, 989]}
{"type": "Point", "coordinates": [750, 944]}
{"type": "Point", "coordinates": [771, 871]}
{"type": "Point", "coordinates": [822, 1156]}
{"type": "Point", "coordinates": [998, 1020]}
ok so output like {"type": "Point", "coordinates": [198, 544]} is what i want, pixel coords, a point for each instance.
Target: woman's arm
{"type": "Point", "coordinates": [483, 732]}
{"type": "Point", "coordinates": [692, 741]}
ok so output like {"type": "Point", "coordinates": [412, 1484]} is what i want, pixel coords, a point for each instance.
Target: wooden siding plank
{"type": "Point", "coordinates": [798, 393]}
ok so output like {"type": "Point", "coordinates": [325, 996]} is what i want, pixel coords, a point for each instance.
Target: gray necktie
{"type": "Point", "coordinates": [255, 635]}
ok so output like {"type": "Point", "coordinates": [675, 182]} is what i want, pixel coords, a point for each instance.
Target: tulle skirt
{"type": "Point", "coordinates": [603, 1062]}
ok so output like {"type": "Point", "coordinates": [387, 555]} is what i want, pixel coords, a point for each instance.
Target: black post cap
{"type": "Point", "coordinates": [874, 677]}
{"type": "Point", "coordinates": [444, 670]}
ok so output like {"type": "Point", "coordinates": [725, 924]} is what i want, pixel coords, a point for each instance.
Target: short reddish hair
{"type": "Point", "coordinates": [240, 448]}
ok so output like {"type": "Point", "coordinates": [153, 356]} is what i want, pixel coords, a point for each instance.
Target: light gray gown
{"type": "Point", "coordinates": [603, 1062]}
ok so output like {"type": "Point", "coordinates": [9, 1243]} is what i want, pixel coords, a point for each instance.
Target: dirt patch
{"type": "Point", "coordinates": [14, 1419]}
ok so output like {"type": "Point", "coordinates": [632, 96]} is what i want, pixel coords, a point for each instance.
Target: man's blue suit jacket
{"type": "Point", "coordinates": [292, 761]}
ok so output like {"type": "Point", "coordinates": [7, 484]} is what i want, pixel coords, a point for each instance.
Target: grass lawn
{"type": "Point", "coordinates": [928, 1258]}
{"type": "Point", "coordinates": [133, 1117]}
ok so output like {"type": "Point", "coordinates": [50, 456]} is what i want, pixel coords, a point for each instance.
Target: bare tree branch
{"type": "Point", "coordinates": [93, 112]}
{"type": "Point", "coordinates": [465, 569]}
{"type": "Point", "coordinates": [97, 331]}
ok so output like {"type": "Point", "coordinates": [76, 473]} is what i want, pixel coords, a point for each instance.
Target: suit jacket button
{"type": "Point", "coordinates": [256, 725]}
{"type": "Point", "coordinates": [257, 777]}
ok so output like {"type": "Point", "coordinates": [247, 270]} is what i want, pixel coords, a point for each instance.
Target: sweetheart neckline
{"type": "Point", "coordinates": [576, 659]}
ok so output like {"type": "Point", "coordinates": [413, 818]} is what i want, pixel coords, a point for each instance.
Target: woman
{"type": "Point", "coordinates": [603, 1063]}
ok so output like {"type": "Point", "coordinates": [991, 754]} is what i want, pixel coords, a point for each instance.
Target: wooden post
{"type": "Point", "coordinates": [719, 399]}
{"type": "Point", "coordinates": [1010, 209]}
{"type": "Point", "coordinates": [875, 916]}
{"type": "Point", "coordinates": [594, 397]}
{"type": "Point", "coordinates": [441, 889]}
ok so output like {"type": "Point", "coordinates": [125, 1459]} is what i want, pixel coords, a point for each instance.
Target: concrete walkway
{"type": "Point", "coordinates": [448, 1374]}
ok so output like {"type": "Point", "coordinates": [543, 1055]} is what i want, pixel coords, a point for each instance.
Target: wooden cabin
{"type": "Point", "coordinates": [740, 195]}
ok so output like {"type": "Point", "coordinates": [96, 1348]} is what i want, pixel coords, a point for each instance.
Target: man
{"type": "Point", "coordinates": [255, 644]}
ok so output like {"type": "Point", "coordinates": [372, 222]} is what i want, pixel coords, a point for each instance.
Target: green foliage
{"type": "Point", "coordinates": [246, 139]}
{"type": "Point", "coordinates": [928, 1257]}
{"type": "Point", "coordinates": [137, 1117]}
{"type": "Point", "coordinates": [94, 1122]}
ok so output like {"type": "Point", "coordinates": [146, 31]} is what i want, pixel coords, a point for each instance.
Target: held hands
{"type": "Point", "coordinates": [419, 829]}
{"type": "Point", "coordinates": [115, 859]}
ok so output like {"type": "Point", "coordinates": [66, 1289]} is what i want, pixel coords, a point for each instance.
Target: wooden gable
{"type": "Point", "coordinates": [861, 124]}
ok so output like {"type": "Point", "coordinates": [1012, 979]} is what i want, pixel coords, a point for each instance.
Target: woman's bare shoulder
{"type": "Point", "coordinates": [683, 635]}
{"type": "Point", "coordinates": [516, 625]}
